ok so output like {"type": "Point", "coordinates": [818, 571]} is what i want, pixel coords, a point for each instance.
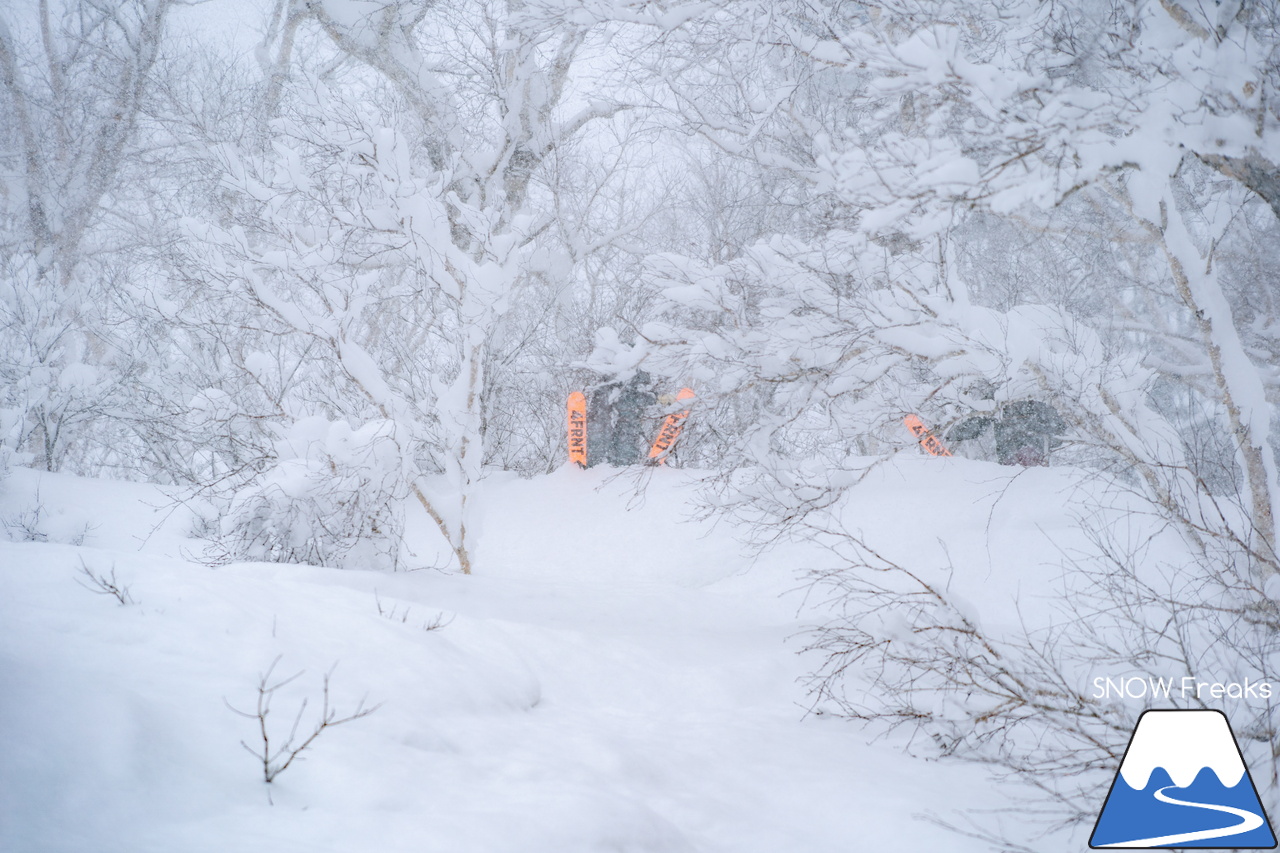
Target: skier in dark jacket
{"type": "Point", "coordinates": [616, 419]}
{"type": "Point", "coordinates": [1025, 431]}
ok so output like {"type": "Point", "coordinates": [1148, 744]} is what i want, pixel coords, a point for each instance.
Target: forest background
{"type": "Point", "coordinates": [348, 273]}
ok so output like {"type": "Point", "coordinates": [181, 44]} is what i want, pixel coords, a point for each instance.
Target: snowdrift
{"type": "Point", "coordinates": [615, 677]}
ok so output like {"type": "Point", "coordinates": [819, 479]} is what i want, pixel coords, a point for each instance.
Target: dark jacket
{"type": "Point", "coordinates": [1025, 431]}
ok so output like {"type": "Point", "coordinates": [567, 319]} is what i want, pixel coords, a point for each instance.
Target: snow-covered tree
{"type": "Point", "coordinates": [1123, 103]}
{"type": "Point", "coordinates": [908, 126]}
{"type": "Point", "coordinates": [400, 213]}
{"type": "Point", "coordinates": [73, 81]}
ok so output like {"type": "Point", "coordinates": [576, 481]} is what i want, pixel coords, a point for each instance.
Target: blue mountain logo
{"type": "Point", "coordinates": [1183, 783]}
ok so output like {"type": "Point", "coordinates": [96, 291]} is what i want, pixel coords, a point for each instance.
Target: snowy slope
{"type": "Point", "coordinates": [612, 680]}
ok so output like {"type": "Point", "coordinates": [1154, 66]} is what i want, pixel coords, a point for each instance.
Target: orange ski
{"type": "Point", "coordinates": [928, 440]}
{"type": "Point", "coordinates": [578, 429]}
{"type": "Point", "coordinates": [670, 431]}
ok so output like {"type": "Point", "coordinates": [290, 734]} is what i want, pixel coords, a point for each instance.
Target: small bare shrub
{"type": "Point", "coordinates": [396, 615]}
{"type": "Point", "coordinates": [276, 757]}
{"type": "Point", "coordinates": [104, 583]}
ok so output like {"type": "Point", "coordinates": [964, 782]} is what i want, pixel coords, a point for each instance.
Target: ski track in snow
{"type": "Point", "coordinates": [1248, 822]}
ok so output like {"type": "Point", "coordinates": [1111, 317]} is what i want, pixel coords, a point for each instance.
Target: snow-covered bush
{"type": "Point", "coordinates": [333, 497]}
{"type": "Point", "coordinates": [834, 342]}
{"type": "Point", "coordinates": [10, 434]}
{"type": "Point", "coordinates": [847, 339]}
{"type": "Point", "coordinates": [71, 289]}
{"type": "Point", "coordinates": [383, 242]}
{"type": "Point", "coordinates": [1159, 144]}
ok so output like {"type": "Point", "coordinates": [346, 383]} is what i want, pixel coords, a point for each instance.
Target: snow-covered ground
{"type": "Point", "coordinates": [613, 678]}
